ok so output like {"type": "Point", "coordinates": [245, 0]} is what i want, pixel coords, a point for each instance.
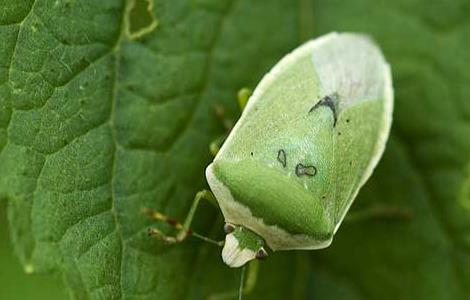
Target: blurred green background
{"type": "Point", "coordinates": [15, 284]}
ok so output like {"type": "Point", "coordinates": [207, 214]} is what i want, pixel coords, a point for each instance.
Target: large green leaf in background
{"type": "Point", "coordinates": [99, 123]}
{"type": "Point", "coordinates": [426, 165]}
{"type": "Point", "coordinates": [102, 113]}
{"type": "Point", "coordinates": [15, 283]}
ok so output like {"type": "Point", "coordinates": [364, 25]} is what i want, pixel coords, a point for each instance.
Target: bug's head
{"type": "Point", "coordinates": [241, 246]}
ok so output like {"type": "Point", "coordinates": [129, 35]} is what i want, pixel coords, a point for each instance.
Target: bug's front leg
{"type": "Point", "coordinates": [183, 229]}
{"type": "Point", "coordinates": [214, 147]}
{"type": "Point", "coordinates": [242, 98]}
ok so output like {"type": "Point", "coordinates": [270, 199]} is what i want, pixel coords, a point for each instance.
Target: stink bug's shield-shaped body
{"type": "Point", "coordinates": [311, 135]}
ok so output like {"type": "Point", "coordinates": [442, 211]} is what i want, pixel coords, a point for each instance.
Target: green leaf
{"type": "Point", "coordinates": [15, 283]}
{"type": "Point", "coordinates": [106, 107]}
{"type": "Point", "coordinates": [426, 165]}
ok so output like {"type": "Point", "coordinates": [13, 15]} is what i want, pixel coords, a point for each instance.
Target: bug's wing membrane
{"type": "Point", "coordinates": [352, 67]}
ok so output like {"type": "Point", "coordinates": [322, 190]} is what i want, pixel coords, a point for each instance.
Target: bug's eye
{"type": "Point", "coordinates": [261, 254]}
{"type": "Point", "coordinates": [228, 228]}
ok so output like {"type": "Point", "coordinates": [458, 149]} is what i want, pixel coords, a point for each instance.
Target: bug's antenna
{"type": "Point", "coordinates": [242, 282]}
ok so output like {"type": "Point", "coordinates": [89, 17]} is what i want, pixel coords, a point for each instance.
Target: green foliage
{"type": "Point", "coordinates": [16, 284]}
{"type": "Point", "coordinates": [425, 166]}
{"type": "Point", "coordinates": [97, 122]}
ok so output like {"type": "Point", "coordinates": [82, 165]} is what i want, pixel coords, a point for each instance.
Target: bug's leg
{"type": "Point", "coordinates": [219, 111]}
{"type": "Point", "coordinates": [379, 212]}
{"type": "Point", "coordinates": [214, 147]}
{"type": "Point", "coordinates": [248, 278]}
{"type": "Point", "coordinates": [183, 230]}
{"type": "Point", "coordinates": [242, 97]}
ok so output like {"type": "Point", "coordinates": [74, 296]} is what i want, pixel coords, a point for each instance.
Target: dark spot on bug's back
{"type": "Point", "coordinates": [347, 120]}
{"type": "Point", "coordinates": [328, 101]}
{"type": "Point", "coordinates": [302, 170]}
{"type": "Point", "coordinates": [282, 158]}
{"type": "Point", "coordinates": [251, 153]}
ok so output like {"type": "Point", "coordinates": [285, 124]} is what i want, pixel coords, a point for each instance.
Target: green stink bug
{"type": "Point", "coordinates": [309, 138]}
